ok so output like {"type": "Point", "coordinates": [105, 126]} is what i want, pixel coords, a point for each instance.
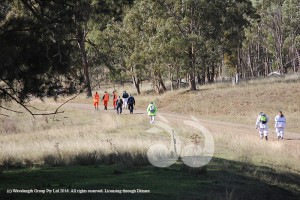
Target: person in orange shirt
{"type": "Point", "coordinates": [96, 100]}
{"type": "Point", "coordinates": [115, 98]}
{"type": "Point", "coordinates": [105, 99]}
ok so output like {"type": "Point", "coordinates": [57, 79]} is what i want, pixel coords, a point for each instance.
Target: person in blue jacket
{"type": "Point", "coordinates": [131, 103]}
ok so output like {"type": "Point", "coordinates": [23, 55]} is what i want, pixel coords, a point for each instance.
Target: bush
{"type": "Point", "coordinates": [53, 161]}
{"type": "Point", "coordinates": [9, 163]}
{"type": "Point", "coordinates": [28, 163]}
{"type": "Point", "coordinates": [95, 157]}
{"type": "Point", "coordinates": [134, 159]}
{"type": "Point", "coordinates": [87, 158]}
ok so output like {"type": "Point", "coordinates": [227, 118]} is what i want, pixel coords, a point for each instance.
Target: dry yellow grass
{"type": "Point", "coordinates": [76, 132]}
{"type": "Point", "coordinates": [81, 130]}
{"type": "Point", "coordinates": [241, 104]}
{"type": "Point", "coordinates": [244, 145]}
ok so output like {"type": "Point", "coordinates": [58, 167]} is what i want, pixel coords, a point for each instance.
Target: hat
{"type": "Point", "coordinates": [151, 102]}
{"type": "Point", "coordinates": [261, 113]}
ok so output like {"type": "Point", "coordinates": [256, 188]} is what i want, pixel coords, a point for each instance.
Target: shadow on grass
{"type": "Point", "coordinates": [220, 179]}
{"type": "Point", "coordinates": [138, 113]}
{"type": "Point", "coordinates": [292, 139]}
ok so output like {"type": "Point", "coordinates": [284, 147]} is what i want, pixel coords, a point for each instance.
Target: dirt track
{"type": "Point", "coordinates": [212, 125]}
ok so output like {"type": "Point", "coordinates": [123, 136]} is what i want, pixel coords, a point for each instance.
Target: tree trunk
{"type": "Point", "coordinates": [136, 82]}
{"type": "Point", "coordinates": [203, 74]}
{"type": "Point", "coordinates": [220, 72]}
{"type": "Point", "coordinates": [239, 62]}
{"type": "Point", "coordinates": [171, 79]}
{"type": "Point", "coordinates": [161, 83]}
{"type": "Point", "coordinates": [199, 78]}
{"type": "Point", "coordinates": [208, 75]}
{"type": "Point", "coordinates": [171, 75]}
{"type": "Point", "coordinates": [158, 83]}
{"type": "Point", "coordinates": [294, 61]}
{"type": "Point", "coordinates": [178, 78]}
{"type": "Point", "coordinates": [250, 62]}
{"type": "Point", "coordinates": [81, 44]}
{"type": "Point", "coordinates": [298, 56]}
{"type": "Point", "coordinates": [192, 80]}
{"type": "Point", "coordinates": [212, 78]}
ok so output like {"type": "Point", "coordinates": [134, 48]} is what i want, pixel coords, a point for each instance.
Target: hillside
{"type": "Point", "coordinates": [241, 103]}
{"type": "Point", "coordinates": [84, 148]}
{"type": "Point", "coordinates": [210, 67]}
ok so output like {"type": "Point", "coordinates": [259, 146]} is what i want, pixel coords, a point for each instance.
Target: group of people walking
{"type": "Point", "coordinates": [119, 103]}
{"type": "Point", "coordinates": [262, 123]}
{"type": "Point", "coordinates": [127, 101]}
{"type": "Point", "coordinates": [105, 99]}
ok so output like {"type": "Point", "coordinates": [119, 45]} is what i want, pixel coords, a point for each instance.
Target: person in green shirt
{"type": "Point", "coordinates": [152, 111]}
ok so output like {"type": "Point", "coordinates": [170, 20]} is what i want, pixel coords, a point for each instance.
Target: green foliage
{"type": "Point", "coordinates": [39, 42]}
{"type": "Point", "coordinates": [32, 54]}
{"type": "Point", "coordinates": [174, 182]}
{"type": "Point", "coordinates": [272, 41]}
{"type": "Point", "coordinates": [140, 40]}
{"type": "Point", "coordinates": [163, 37]}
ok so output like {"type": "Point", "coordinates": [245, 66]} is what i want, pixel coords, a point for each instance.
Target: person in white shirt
{"type": "Point", "coordinates": [280, 124]}
{"type": "Point", "coordinates": [125, 99]}
{"type": "Point", "coordinates": [262, 124]}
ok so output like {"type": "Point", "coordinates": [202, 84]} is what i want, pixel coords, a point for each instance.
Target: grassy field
{"type": "Point", "coordinates": [221, 179]}
{"type": "Point", "coordinates": [92, 149]}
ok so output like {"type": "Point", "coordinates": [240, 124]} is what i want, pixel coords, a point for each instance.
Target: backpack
{"type": "Point", "coordinates": [119, 102]}
{"type": "Point", "coordinates": [263, 119]}
{"type": "Point", "coordinates": [152, 108]}
{"type": "Point", "coordinates": [130, 100]}
{"type": "Point", "coordinates": [125, 95]}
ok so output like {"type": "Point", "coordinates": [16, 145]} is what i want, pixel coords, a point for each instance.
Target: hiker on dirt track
{"type": "Point", "coordinates": [115, 98]}
{"type": "Point", "coordinates": [280, 124]}
{"type": "Point", "coordinates": [125, 98]}
{"type": "Point", "coordinates": [96, 100]}
{"type": "Point", "coordinates": [105, 99]}
{"type": "Point", "coordinates": [131, 103]}
{"type": "Point", "coordinates": [152, 111]}
{"type": "Point", "coordinates": [262, 124]}
{"type": "Point", "coordinates": [119, 103]}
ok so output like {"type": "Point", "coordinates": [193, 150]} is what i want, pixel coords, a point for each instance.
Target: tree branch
{"type": "Point", "coordinates": [29, 106]}
{"type": "Point", "coordinates": [27, 109]}
{"type": "Point", "coordinates": [56, 111]}
{"type": "Point", "coordinates": [17, 101]}
{"type": "Point", "coordinates": [10, 110]}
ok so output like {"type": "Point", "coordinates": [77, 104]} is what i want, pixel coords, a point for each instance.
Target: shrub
{"type": "Point", "coordinates": [87, 158]}
{"type": "Point", "coordinates": [10, 162]}
{"type": "Point", "coordinates": [53, 161]}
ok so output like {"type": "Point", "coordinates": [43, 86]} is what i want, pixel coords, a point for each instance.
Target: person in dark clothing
{"type": "Point", "coordinates": [119, 105]}
{"type": "Point", "coordinates": [131, 102]}
{"type": "Point", "coordinates": [125, 99]}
